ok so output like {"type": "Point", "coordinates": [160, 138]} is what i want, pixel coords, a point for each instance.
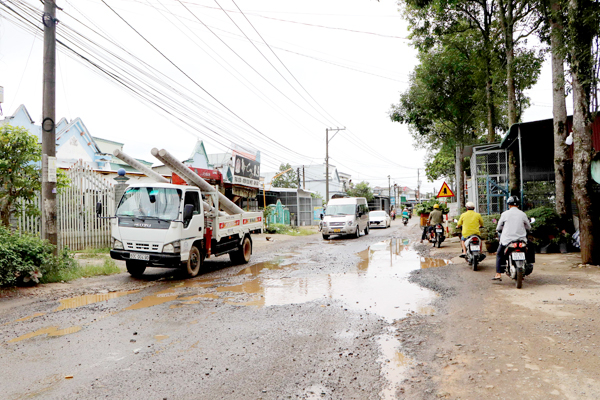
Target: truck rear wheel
{"type": "Point", "coordinates": [242, 254]}
{"type": "Point", "coordinates": [135, 268]}
{"type": "Point", "coordinates": [194, 262]}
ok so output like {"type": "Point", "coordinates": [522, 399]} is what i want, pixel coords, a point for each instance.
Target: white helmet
{"type": "Point", "coordinates": [470, 205]}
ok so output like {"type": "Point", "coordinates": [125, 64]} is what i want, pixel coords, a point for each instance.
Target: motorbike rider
{"type": "Point", "coordinates": [405, 213]}
{"type": "Point", "coordinates": [435, 217]}
{"type": "Point", "coordinates": [470, 221]}
{"type": "Point", "coordinates": [513, 225]}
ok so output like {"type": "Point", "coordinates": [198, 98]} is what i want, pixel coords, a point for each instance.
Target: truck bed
{"type": "Point", "coordinates": [237, 224]}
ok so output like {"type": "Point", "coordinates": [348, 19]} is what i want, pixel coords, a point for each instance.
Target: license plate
{"type": "Point", "coordinates": [337, 230]}
{"type": "Point", "coordinates": [518, 256]}
{"type": "Point", "coordinates": [439, 230]}
{"type": "Point", "coordinates": [138, 256]}
{"type": "Point", "coordinates": [475, 247]}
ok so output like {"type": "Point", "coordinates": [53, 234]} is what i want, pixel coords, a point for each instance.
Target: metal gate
{"type": "Point", "coordinates": [489, 171]}
{"type": "Point", "coordinates": [78, 226]}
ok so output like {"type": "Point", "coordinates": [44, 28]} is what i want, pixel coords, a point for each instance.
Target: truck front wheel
{"type": "Point", "coordinates": [242, 254]}
{"type": "Point", "coordinates": [195, 262]}
{"type": "Point", "coordinates": [135, 268]}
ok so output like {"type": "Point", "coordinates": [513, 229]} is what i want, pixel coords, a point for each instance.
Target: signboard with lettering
{"type": "Point", "coordinates": [212, 176]}
{"type": "Point", "coordinates": [246, 172]}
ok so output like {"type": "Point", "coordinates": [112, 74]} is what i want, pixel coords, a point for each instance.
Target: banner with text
{"type": "Point", "coordinates": [246, 172]}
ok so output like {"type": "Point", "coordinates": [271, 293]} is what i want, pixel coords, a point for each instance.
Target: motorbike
{"type": "Point", "coordinates": [474, 255]}
{"type": "Point", "coordinates": [517, 264]}
{"type": "Point", "coordinates": [405, 220]}
{"type": "Point", "coordinates": [436, 235]}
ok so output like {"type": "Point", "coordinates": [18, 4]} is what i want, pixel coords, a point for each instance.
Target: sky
{"type": "Point", "coordinates": [270, 75]}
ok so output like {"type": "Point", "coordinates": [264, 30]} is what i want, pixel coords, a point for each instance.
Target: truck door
{"type": "Point", "coordinates": [192, 229]}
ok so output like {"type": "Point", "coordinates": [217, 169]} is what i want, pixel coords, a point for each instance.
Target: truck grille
{"type": "Point", "coordinates": [337, 224]}
{"type": "Point", "coordinates": [141, 246]}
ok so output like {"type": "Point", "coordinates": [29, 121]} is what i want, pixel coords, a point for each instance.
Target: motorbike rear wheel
{"type": "Point", "coordinates": [519, 278]}
{"type": "Point", "coordinates": [474, 262]}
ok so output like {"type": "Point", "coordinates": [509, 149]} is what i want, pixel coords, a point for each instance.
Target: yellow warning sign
{"type": "Point", "coordinates": [445, 191]}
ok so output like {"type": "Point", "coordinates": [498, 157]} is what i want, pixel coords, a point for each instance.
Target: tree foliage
{"type": "Point", "coordinates": [288, 179]}
{"type": "Point", "coordinates": [20, 154]}
{"type": "Point", "coordinates": [361, 190]}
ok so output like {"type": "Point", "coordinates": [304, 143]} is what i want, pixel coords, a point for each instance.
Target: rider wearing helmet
{"type": "Point", "coordinates": [405, 213]}
{"type": "Point", "coordinates": [470, 222]}
{"type": "Point", "coordinates": [513, 225]}
{"type": "Point", "coordinates": [435, 217]}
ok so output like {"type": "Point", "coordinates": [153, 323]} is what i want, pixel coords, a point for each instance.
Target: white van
{"type": "Point", "coordinates": [346, 216]}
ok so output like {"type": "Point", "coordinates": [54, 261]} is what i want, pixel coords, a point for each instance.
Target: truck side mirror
{"type": "Point", "coordinates": [188, 212]}
{"type": "Point", "coordinates": [98, 209]}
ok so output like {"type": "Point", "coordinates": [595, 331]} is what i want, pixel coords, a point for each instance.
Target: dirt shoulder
{"type": "Point", "coordinates": [490, 340]}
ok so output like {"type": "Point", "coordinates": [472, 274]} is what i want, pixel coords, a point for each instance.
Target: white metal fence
{"type": "Point", "coordinates": [78, 226]}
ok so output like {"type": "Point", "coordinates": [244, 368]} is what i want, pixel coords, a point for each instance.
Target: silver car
{"type": "Point", "coordinates": [379, 219]}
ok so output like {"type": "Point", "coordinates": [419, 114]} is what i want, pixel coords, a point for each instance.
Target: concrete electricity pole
{"type": "Point", "coordinates": [327, 158]}
{"type": "Point", "coordinates": [418, 186]}
{"type": "Point", "coordinates": [389, 195]}
{"type": "Point", "coordinates": [49, 220]}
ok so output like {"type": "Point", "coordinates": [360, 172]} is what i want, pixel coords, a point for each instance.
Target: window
{"type": "Point", "coordinates": [193, 198]}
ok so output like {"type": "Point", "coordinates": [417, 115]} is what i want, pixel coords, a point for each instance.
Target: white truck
{"type": "Point", "coordinates": [165, 225]}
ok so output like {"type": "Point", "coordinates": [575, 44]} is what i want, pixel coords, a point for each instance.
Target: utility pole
{"type": "Point", "coordinates": [303, 179]}
{"type": "Point", "coordinates": [49, 225]}
{"type": "Point", "coordinates": [418, 186]}
{"type": "Point", "coordinates": [389, 195]}
{"type": "Point", "coordinates": [327, 158]}
{"type": "Point", "coordinates": [298, 174]}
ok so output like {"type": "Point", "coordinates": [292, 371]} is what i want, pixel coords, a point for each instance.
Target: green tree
{"type": "Point", "coordinates": [19, 172]}
{"type": "Point", "coordinates": [439, 103]}
{"type": "Point", "coordinates": [361, 190]}
{"type": "Point", "coordinates": [288, 179]}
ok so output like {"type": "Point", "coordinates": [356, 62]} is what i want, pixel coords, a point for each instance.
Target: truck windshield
{"type": "Point", "coordinates": [150, 202]}
{"type": "Point", "coordinates": [341, 209]}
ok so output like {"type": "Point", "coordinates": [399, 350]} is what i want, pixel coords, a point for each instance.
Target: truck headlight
{"type": "Point", "coordinates": [325, 224]}
{"type": "Point", "coordinates": [349, 223]}
{"type": "Point", "coordinates": [173, 247]}
{"type": "Point", "coordinates": [116, 244]}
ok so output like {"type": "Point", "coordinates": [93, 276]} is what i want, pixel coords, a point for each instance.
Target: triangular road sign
{"type": "Point", "coordinates": [445, 191]}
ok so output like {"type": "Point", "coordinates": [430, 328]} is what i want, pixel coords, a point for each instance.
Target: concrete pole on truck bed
{"type": "Point", "coordinates": [149, 173]}
{"type": "Point", "coordinates": [180, 169]}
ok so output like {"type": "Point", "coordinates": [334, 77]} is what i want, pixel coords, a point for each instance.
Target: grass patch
{"type": "Point", "coordinates": [93, 253]}
{"type": "Point", "coordinates": [290, 230]}
{"type": "Point", "coordinates": [108, 267]}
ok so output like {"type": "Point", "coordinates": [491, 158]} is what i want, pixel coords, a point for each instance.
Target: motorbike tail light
{"type": "Point", "coordinates": [514, 245]}
{"type": "Point", "coordinates": [475, 240]}
{"type": "Point", "coordinates": [521, 244]}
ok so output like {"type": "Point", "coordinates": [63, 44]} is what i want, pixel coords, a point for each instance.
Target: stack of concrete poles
{"type": "Point", "coordinates": [151, 174]}
{"type": "Point", "coordinates": [180, 169]}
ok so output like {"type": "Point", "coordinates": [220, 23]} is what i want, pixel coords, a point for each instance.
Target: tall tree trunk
{"type": "Point", "coordinates": [507, 22]}
{"type": "Point", "coordinates": [460, 181]}
{"type": "Point", "coordinates": [581, 37]}
{"type": "Point", "coordinates": [562, 176]}
{"type": "Point", "coordinates": [489, 94]}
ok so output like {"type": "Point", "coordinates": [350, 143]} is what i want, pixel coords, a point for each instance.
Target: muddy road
{"type": "Point", "coordinates": [379, 317]}
{"type": "Point", "coordinates": [307, 318]}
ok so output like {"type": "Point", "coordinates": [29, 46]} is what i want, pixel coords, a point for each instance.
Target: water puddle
{"type": "Point", "coordinates": [378, 285]}
{"type": "Point", "coordinates": [30, 317]}
{"type": "Point", "coordinates": [50, 331]}
{"type": "Point", "coordinates": [394, 365]}
{"type": "Point", "coordinates": [84, 300]}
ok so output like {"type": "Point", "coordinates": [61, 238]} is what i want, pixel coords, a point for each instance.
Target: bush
{"type": "Point", "coordinates": [546, 226]}
{"type": "Point", "coordinates": [26, 258]}
{"type": "Point", "coordinates": [490, 223]}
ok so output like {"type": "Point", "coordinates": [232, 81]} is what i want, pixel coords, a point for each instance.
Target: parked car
{"type": "Point", "coordinates": [346, 216]}
{"type": "Point", "coordinates": [379, 219]}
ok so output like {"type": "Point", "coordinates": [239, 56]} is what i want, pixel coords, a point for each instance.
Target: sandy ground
{"type": "Point", "coordinates": [491, 340]}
